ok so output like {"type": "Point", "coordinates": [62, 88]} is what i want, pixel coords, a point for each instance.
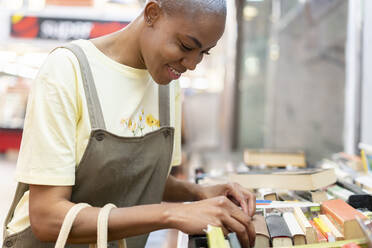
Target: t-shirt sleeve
{"type": "Point", "coordinates": [47, 154]}
{"type": "Point", "coordinates": [176, 95]}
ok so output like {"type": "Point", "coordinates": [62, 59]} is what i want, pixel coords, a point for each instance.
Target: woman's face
{"type": "Point", "coordinates": [175, 43]}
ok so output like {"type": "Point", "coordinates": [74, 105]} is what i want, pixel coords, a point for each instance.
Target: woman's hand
{"type": "Point", "coordinates": [235, 192]}
{"type": "Point", "coordinates": [193, 218]}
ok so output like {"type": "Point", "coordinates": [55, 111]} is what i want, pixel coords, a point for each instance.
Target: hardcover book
{"type": "Point", "coordinates": [274, 158]}
{"type": "Point", "coordinates": [304, 179]}
{"type": "Point", "coordinates": [262, 233]}
{"type": "Point", "coordinates": [278, 230]}
{"type": "Point", "coordinates": [298, 235]}
{"type": "Point", "coordinates": [307, 228]}
{"type": "Point", "coordinates": [344, 216]}
{"type": "Point", "coordinates": [320, 236]}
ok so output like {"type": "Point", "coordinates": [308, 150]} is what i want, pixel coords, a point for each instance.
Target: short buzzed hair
{"type": "Point", "coordinates": [193, 6]}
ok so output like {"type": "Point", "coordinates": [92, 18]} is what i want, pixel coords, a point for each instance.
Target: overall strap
{"type": "Point", "coordinates": [21, 189]}
{"type": "Point", "coordinates": [164, 105]}
{"type": "Point", "coordinates": [94, 106]}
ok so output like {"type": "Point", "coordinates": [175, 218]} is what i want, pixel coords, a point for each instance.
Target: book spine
{"type": "Point", "coordinates": [332, 212]}
{"type": "Point", "coordinates": [332, 227]}
{"type": "Point", "coordinates": [349, 186]}
{"type": "Point", "coordinates": [277, 226]}
{"type": "Point", "coordinates": [361, 241]}
{"type": "Point", "coordinates": [233, 239]}
{"type": "Point", "coordinates": [320, 236]}
{"type": "Point", "coordinates": [215, 237]}
{"type": "Point", "coordinates": [323, 228]}
{"type": "Point", "coordinates": [339, 192]}
{"type": "Point", "coordinates": [292, 224]}
{"type": "Point", "coordinates": [344, 217]}
{"type": "Point", "coordinates": [305, 225]}
{"type": "Point", "coordinates": [364, 160]}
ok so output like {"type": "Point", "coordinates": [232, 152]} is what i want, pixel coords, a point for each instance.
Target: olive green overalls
{"type": "Point", "coordinates": [125, 171]}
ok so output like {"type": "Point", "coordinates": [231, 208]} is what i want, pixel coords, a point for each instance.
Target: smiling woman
{"type": "Point", "coordinates": [178, 34]}
{"type": "Point", "coordinates": [106, 114]}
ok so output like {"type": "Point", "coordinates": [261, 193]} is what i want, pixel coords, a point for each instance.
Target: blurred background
{"type": "Point", "coordinates": [287, 75]}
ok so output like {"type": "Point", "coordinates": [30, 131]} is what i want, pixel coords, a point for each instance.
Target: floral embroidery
{"type": "Point", "coordinates": [137, 124]}
{"type": "Point", "coordinates": [150, 120]}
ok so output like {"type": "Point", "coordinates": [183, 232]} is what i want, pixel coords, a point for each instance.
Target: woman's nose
{"type": "Point", "coordinates": [191, 60]}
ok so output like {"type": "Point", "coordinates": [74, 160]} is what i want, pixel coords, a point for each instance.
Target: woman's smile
{"type": "Point", "coordinates": [173, 73]}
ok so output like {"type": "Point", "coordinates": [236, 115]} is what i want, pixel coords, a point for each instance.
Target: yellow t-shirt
{"type": "Point", "coordinates": [57, 125]}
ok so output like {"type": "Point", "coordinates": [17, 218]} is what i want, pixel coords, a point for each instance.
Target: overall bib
{"type": "Point", "coordinates": [125, 171]}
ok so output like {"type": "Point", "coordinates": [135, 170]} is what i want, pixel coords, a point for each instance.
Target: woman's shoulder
{"type": "Point", "coordinates": [59, 71]}
{"type": "Point", "coordinates": [62, 56]}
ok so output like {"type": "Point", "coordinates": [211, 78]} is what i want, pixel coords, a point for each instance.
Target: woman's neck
{"type": "Point", "coordinates": [123, 46]}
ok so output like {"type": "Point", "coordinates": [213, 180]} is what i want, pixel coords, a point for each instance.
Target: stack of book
{"type": "Point", "coordinates": [307, 223]}
{"type": "Point", "coordinates": [334, 223]}
{"type": "Point", "coordinates": [327, 206]}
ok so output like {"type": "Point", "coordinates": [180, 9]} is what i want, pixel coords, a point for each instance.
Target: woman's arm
{"type": "Point", "coordinates": [49, 205]}
{"type": "Point", "coordinates": [177, 190]}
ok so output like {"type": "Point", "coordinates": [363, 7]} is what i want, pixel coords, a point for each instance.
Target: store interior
{"type": "Point", "coordinates": [287, 76]}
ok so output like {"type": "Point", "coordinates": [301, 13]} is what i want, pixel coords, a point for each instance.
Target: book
{"type": "Point", "coordinates": [304, 179]}
{"type": "Point", "coordinates": [324, 229]}
{"type": "Point", "coordinates": [279, 233]}
{"type": "Point", "coordinates": [284, 204]}
{"type": "Point", "coordinates": [339, 192]}
{"type": "Point", "coordinates": [215, 237]}
{"type": "Point", "coordinates": [233, 240]}
{"type": "Point", "coordinates": [361, 241]}
{"type": "Point", "coordinates": [298, 235]}
{"type": "Point", "coordinates": [366, 226]}
{"type": "Point", "coordinates": [268, 194]}
{"type": "Point", "coordinates": [319, 235]}
{"type": "Point", "coordinates": [286, 196]}
{"type": "Point", "coordinates": [336, 233]}
{"type": "Point", "coordinates": [262, 233]}
{"type": "Point", "coordinates": [227, 243]}
{"type": "Point", "coordinates": [305, 225]}
{"type": "Point", "coordinates": [312, 195]}
{"type": "Point", "coordinates": [349, 186]}
{"type": "Point", "coordinates": [183, 240]}
{"type": "Point", "coordinates": [365, 182]}
{"type": "Point", "coordinates": [311, 212]}
{"type": "Point", "coordinates": [364, 161]}
{"type": "Point", "coordinates": [274, 158]}
{"type": "Point", "coordinates": [344, 216]}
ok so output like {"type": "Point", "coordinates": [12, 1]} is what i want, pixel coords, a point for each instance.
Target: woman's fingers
{"type": "Point", "coordinates": [251, 199]}
{"type": "Point", "coordinates": [219, 211]}
{"type": "Point", "coordinates": [240, 230]}
{"type": "Point", "coordinates": [247, 222]}
{"type": "Point", "coordinates": [251, 233]}
{"type": "Point", "coordinates": [246, 199]}
{"type": "Point", "coordinates": [238, 196]}
{"type": "Point", "coordinates": [237, 221]}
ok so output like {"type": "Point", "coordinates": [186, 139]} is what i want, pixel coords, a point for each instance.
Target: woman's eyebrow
{"type": "Point", "coordinates": [196, 41]}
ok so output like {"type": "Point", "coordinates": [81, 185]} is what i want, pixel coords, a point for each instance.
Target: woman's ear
{"type": "Point", "coordinates": [152, 13]}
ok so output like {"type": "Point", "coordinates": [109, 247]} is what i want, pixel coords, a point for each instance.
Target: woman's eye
{"type": "Point", "coordinates": [186, 48]}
